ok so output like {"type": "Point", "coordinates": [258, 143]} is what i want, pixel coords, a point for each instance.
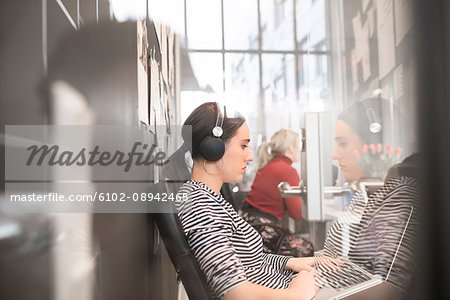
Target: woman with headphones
{"type": "Point", "coordinates": [228, 250]}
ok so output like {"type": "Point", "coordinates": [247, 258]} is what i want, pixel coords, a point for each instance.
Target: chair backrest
{"type": "Point", "coordinates": [228, 195]}
{"type": "Point", "coordinates": [409, 167]}
{"type": "Point", "coordinates": [172, 232]}
{"type": "Point", "coordinates": [181, 256]}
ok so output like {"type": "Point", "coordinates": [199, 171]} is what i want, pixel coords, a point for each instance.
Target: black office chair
{"type": "Point", "coordinates": [409, 167]}
{"type": "Point", "coordinates": [181, 256]}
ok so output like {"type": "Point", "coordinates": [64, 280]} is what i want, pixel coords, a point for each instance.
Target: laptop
{"type": "Point", "coordinates": [340, 293]}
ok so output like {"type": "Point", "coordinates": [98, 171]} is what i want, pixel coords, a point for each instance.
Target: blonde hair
{"type": "Point", "coordinates": [278, 145]}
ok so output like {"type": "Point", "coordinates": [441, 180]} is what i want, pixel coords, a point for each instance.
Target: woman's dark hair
{"type": "Point", "coordinates": [201, 122]}
{"type": "Point", "coordinates": [362, 114]}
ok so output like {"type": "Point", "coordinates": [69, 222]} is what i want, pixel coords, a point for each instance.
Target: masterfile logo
{"type": "Point", "coordinates": [140, 154]}
{"type": "Point", "coordinates": [66, 152]}
{"type": "Point", "coordinates": [103, 169]}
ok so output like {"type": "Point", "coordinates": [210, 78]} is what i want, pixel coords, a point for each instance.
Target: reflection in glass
{"type": "Point", "coordinates": [204, 24]}
{"type": "Point", "coordinates": [277, 25]}
{"type": "Point", "coordinates": [241, 24]}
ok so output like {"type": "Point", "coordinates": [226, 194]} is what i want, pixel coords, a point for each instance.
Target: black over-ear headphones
{"type": "Point", "coordinates": [212, 148]}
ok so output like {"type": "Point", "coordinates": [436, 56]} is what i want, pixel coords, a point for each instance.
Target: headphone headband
{"type": "Point", "coordinates": [374, 124]}
{"type": "Point", "coordinates": [212, 147]}
{"type": "Point", "coordinates": [217, 130]}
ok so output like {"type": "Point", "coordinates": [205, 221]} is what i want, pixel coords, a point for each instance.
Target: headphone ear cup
{"type": "Point", "coordinates": [212, 149]}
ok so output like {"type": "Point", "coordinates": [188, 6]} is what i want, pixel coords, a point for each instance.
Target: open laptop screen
{"type": "Point", "coordinates": [375, 248]}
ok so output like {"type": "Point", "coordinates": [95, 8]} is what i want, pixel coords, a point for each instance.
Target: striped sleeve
{"type": "Point", "coordinates": [277, 261]}
{"type": "Point", "coordinates": [399, 234]}
{"type": "Point", "coordinates": [210, 242]}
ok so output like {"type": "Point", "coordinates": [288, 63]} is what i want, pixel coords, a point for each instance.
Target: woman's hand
{"type": "Point", "coordinates": [303, 285]}
{"type": "Point", "coordinates": [300, 264]}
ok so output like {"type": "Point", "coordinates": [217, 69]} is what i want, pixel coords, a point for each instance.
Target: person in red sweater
{"type": "Point", "coordinates": [264, 207]}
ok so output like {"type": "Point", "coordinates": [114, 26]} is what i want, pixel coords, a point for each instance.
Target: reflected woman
{"type": "Point", "coordinates": [362, 124]}
{"type": "Point", "coordinates": [378, 232]}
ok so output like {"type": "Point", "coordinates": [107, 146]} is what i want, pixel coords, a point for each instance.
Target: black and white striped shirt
{"type": "Point", "coordinates": [228, 250]}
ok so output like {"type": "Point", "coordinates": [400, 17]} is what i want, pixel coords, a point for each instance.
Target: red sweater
{"type": "Point", "coordinates": [265, 195]}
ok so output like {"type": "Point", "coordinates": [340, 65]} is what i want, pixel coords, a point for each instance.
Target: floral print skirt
{"type": "Point", "coordinates": [276, 239]}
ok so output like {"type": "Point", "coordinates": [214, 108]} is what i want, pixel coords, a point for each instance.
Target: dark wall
{"type": "Point", "coordinates": [25, 260]}
{"type": "Point", "coordinates": [432, 280]}
{"type": "Point", "coordinates": [130, 262]}
{"type": "Point", "coordinates": [21, 61]}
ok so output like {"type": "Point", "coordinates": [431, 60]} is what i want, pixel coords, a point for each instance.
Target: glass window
{"type": "Point", "coordinates": [128, 10]}
{"type": "Point", "coordinates": [204, 24]}
{"type": "Point", "coordinates": [313, 76]}
{"type": "Point", "coordinates": [277, 25]}
{"type": "Point", "coordinates": [169, 12]}
{"type": "Point", "coordinates": [279, 75]}
{"type": "Point", "coordinates": [242, 82]}
{"type": "Point", "coordinates": [280, 105]}
{"type": "Point", "coordinates": [311, 24]}
{"type": "Point", "coordinates": [208, 70]}
{"type": "Point", "coordinates": [241, 24]}
{"type": "Point", "coordinates": [191, 99]}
